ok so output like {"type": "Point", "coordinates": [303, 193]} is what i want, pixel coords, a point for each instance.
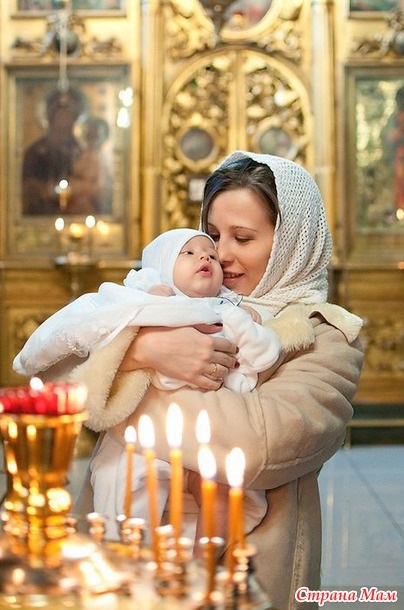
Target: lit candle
{"type": "Point", "coordinates": [207, 469]}
{"type": "Point", "coordinates": [59, 226]}
{"type": "Point", "coordinates": [43, 398]}
{"type": "Point", "coordinates": [235, 466]}
{"type": "Point", "coordinates": [174, 425]}
{"type": "Point", "coordinates": [63, 190]}
{"type": "Point", "coordinates": [37, 394]}
{"type": "Point", "coordinates": [146, 438]}
{"type": "Point", "coordinates": [90, 224]}
{"type": "Point", "coordinates": [130, 440]}
{"type": "Point", "coordinates": [36, 384]}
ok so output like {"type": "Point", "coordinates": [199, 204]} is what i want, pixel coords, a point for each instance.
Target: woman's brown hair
{"type": "Point", "coordinates": [243, 173]}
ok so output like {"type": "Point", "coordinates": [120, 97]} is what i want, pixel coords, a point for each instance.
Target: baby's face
{"type": "Point", "coordinates": [197, 270]}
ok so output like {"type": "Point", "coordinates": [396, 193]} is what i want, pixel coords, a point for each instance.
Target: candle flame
{"type": "Point", "coordinates": [36, 384]}
{"type": "Point", "coordinates": [59, 224]}
{"type": "Point", "coordinates": [235, 466]}
{"type": "Point", "coordinates": [203, 428]}
{"type": "Point", "coordinates": [206, 463]}
{"type": "Point", "coordinates": [90, 222]}
{"type": "Point", "coordinates": [174, 426]}
{"type": "Point", "coordinates": [130, 435]}
{"type": "Point", "coordinates": [146, 432]}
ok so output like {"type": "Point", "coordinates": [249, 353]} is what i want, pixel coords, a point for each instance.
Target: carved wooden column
{"type": "Point", "coordinates": [152, 92]}
{"type": "Point", "coordinates": [323, 100]}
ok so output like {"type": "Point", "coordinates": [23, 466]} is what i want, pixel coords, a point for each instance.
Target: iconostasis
{"type": "Point", "coordinates": [151, 96]}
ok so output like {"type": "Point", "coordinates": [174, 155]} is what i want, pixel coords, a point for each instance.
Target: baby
{"type": "Point", "coordinates": [184, 262]}
{"type": "Point", "coordinates": [181, 283]}
{"type": "Point", "coordinates": [178, 263]}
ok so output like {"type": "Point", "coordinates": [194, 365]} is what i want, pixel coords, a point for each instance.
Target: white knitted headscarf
{"type": "Point", "coordinates": [161, 253]}
{"type": "Point", "coordinates": [302, 246]}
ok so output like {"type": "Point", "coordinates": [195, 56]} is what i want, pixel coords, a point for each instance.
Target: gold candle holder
{"type": "Point", "coordinates": [38, 451]}
{"type": "Point", "coordinates": [45, 562]}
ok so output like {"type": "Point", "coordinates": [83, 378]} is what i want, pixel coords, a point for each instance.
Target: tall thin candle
{"type": "Point", "coordinates": [146, 438]}
{"type": "Point", "coordinates": [235, 466]}
{"type": "Point", "coordinates": [207, 468]}
{"type": "Point", "coordinates": [130, 440]}
{"type": "Point", "coordinates": [174, 436]}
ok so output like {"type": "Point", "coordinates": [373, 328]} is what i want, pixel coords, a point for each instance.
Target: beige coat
{"type": "Point", "coordinates": [288, 427]}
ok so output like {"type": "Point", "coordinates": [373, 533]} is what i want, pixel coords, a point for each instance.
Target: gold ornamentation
{"type": "Point", "coordinates": [275, 105]}
{"type": "Point", "coordinates": [190, 31]}
{"type": "Point", "coordinates": [79, 44]}
{"type": "Point", "coordinates": [185, 34]}
{"type": "Point", "coordinates": [39, 450]}
{"type": "Point", "coordinates": [201, 101]}
{"type": "Point", "coordinates": [390, 44]}
{"type": "Point", "coordinates": [383, 339]}
{"type": "Point", "coordinates": [25, 325]}
{"type": "Point", "coordinates": [242, 88]}
{"type": "Point", "coordinates": [284, 40]}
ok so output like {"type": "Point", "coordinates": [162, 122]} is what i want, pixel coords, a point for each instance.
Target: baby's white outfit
{"type": "Point", "coordinates": [259, 349]}
{"type": "Point", "coordinates": [93, 320]}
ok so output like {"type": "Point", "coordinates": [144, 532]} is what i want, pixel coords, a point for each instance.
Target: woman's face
{"type": "Point", "coordinates": [239, 223]}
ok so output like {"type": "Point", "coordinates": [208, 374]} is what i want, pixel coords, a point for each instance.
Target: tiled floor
{"type": "Point", "coordinates": [362, 493]}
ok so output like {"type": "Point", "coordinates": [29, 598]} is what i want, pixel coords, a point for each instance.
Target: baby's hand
{"type": "Point", "coordinates": [161, 290]}
{"type": "Point", "coordinates": [254, 314]}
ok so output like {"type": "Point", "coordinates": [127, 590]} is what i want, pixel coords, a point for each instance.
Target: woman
{"type": "Point", "coordinates": [267, 219]}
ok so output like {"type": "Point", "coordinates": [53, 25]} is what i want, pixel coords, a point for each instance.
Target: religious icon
{"type": "Point", "coordinates": [61, 172]}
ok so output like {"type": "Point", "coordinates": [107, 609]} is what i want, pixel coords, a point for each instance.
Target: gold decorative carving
{"type": "Point", "coordinates": [383, 339]}
{"type": "Point", "coordinates": [283, 40]}
{"type": "Point", "coordinates": [185, 34]}
{"type": "Point", "coordinates": [276, 102]}
{"type": "Point", "coordinates": [216, 11]}
{"type": "Point", "coordinates": [79, 44]}
{"type": "Point", "coordinates": [236, 99]}
{"type": "Point", "coordinates": [201, 101]}
{"type": "Point", "coordinates": [389, 44]}
{"type": "Point", "coordinates": [190, 31]}
{"type": "Point", "coordinates": [25, 325]}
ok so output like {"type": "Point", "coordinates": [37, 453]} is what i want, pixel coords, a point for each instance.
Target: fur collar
{"type": "Point", "coordinates": [296, 331]}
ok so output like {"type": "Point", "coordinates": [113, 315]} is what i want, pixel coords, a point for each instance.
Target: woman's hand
{"type": "Point", "coordinates": [184, 353]}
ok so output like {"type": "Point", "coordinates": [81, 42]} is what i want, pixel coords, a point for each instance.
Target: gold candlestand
{"type": "Point", "coordinates": [75, 267]}
{"type": "Point", "coordinates": [45, 563]}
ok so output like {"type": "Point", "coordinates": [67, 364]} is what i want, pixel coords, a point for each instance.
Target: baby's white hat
{"type": "Point", "coordinates": [162, 252]}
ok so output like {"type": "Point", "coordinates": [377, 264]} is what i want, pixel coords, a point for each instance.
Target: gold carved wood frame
{"type": "Point", "coordinates": [375, 160]}
{"type": "Point", "coordinates": [227, 100]}
{"type": "Point", "coordinates": [102, 150]}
